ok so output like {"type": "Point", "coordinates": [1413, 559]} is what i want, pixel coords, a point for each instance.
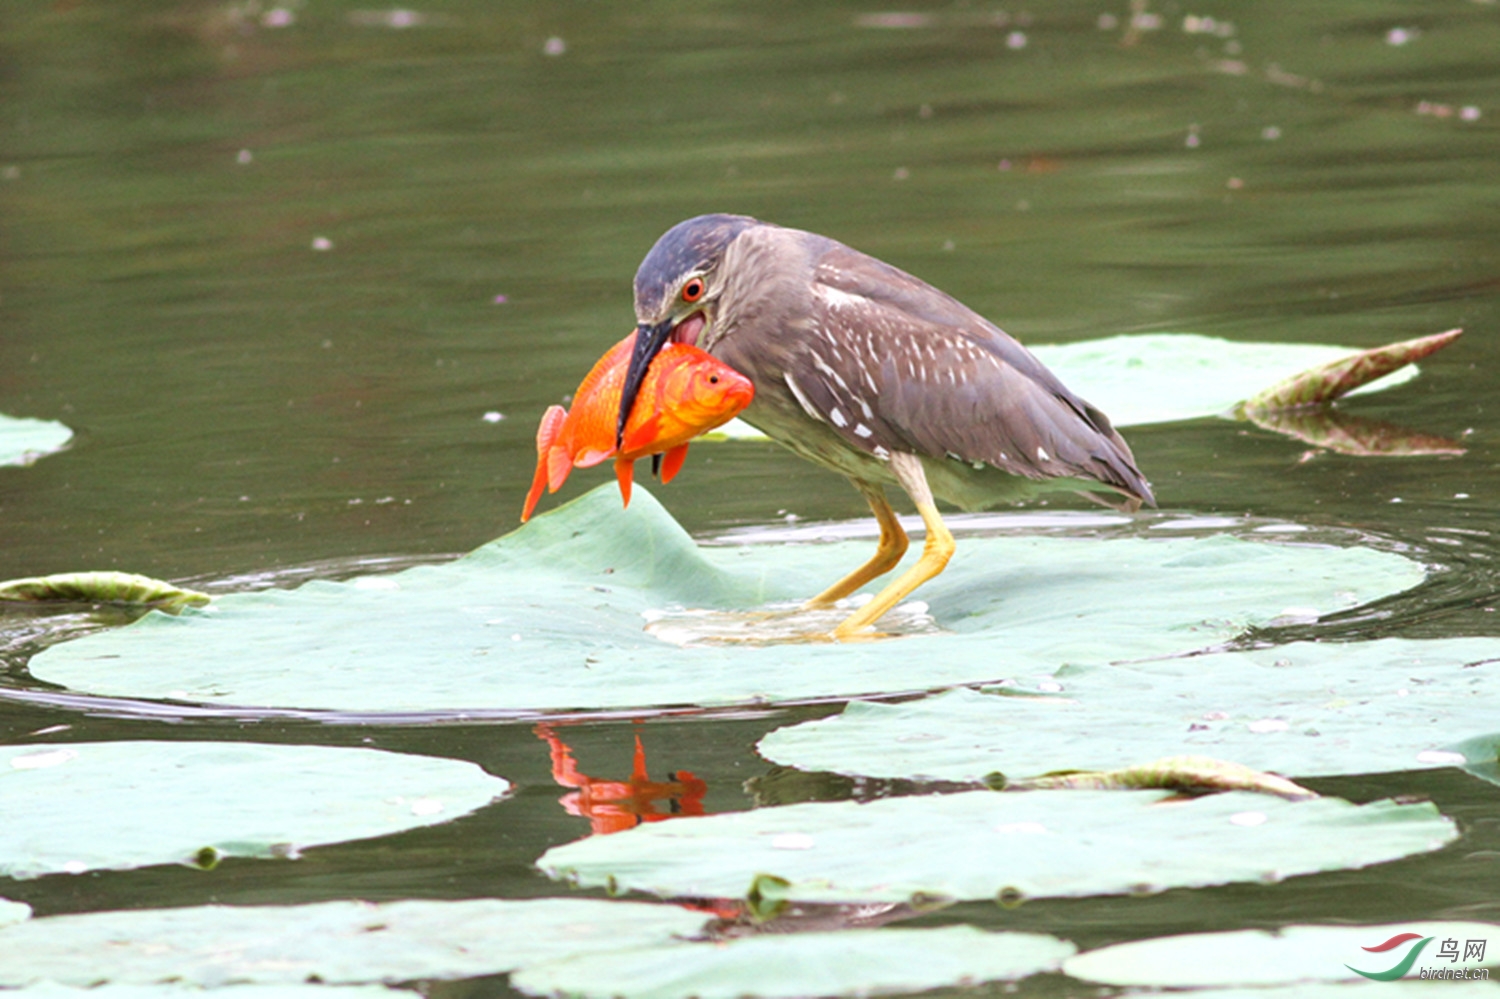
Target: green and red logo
{"type": "Point", "coordinates": [1402, 966]}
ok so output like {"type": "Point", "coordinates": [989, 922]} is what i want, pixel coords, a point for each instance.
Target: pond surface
{"type": "Point", "coordinates": [280, 268]}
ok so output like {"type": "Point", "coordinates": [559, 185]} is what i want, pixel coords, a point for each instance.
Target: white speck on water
{"type": "Point", "coordinates": [1270, 133]}
{"type": "Point", "coordinates": [1469, 113]}
{"type": "Point", "coordinates": [1262, 725]}
{"type": "Point", "coordinates": [493, 416]}
{"type": "Point", "coordinates": [1460, 495]}
{"type": "Point", "coordinates": [1441, 756]}
{"type": "Point", "coordinates": [43, 760]}
{"type": "Point", "coordinates": [792, 841]}
{"type": "Point", "coordinates": [901, 173]}
{"type": "Point", "coordinates": [1400, 36]}
{"type": "Point", "coordinates": [1248, 818]}
{"type": "Point", "coordinates": [278, 17]}
{"type": "Point", "coordinates": [244, 156]}
{"type": "Point", "coordinates": [555, 46]}
{"type": "Point", "coordinates": [1108, 22]}
{"type": "Point", "coordinates": [1193, 140]}
{"type": "Point", "coordinates": [322, 244]}
{"type": "Point", "coordinates": [1016, 40]}
{"type": "Point", "coordinates": [1395, 499]}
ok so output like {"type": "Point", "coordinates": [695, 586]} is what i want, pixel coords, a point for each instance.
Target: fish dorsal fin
{"type": "Point", "coordinates": [671, 462]}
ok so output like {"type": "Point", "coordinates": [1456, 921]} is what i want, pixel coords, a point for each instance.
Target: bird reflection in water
{"type": "Point", "coordinates": [615, 805]}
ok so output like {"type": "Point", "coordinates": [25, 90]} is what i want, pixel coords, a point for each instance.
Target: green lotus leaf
{"type": "Point", "coordinates": [773, 966]}
{"type": "Point", "coordinates": [23, 441]}
{"type": "Point", "coordinates": [1323, 384]}
{"type": "Point", "coordinates": [1306, 709]}
{"type": "Point", "coordinates": [13, 912]}
{"type": "Point", "coordinates": [105, 586]}
{"type": "Point", "coordinates": [171, 990]}
{"type": "Point", "coordinates": [73, 807]}
{"type": "Point", "coordinates": [551, 617]}
{"type": "Point", "coordinates": [980, 844]}
{"type": "Point", "coordinates": [1290, 955]}
{"type": "Point", "coordinates": [332, 942]}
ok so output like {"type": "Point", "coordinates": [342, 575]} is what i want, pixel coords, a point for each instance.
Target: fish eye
{"type": "Point", "coordinates": [713, 379]}
{"type": "Point", "coordinates": [693, 290]}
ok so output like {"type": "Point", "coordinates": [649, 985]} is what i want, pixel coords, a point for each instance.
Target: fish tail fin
{"type": "Point", "coordinates": [546, 433]}
{"type": "Point", "coordinates": [625, 472]}
{"type": "Point", "coordinates": [672, 461]}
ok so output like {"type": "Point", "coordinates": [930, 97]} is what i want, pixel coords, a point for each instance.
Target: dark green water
{"type": "Point", "coordinates": [246, 404]}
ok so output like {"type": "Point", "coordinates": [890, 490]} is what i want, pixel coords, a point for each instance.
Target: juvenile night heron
{"type": "Point", "coordinates": [868, 371]}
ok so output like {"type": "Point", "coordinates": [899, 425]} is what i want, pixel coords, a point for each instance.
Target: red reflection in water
{"type": "Point", "coordinates": [615, 805]}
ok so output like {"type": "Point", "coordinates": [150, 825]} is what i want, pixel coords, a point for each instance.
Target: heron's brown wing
{"type": "Point", "coordinates": [920, 372]}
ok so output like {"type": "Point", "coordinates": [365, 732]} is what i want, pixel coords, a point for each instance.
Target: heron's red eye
{"type": "Point", "coordinates": [713, 379]}
{"type": "Point", "coordinates": [693, 290]}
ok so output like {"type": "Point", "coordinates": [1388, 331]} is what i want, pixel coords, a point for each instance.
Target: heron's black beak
{"type": "Point", "coordinates": [649, 340]}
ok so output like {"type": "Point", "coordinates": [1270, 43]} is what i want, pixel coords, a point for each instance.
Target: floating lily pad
{"type": "Point", "coordinates": [333, 942]}
{"type": "Point", "coordinates": [117, 805]}
{"type": "Point", "coordinates": [848, 963]}
{"type": "Point", "coordinates": [1144, 378]}
{"type": "Point", "coordinates": [1285, 956]}
{"type": "Point", "coordinates": [980, 844]}
{"type": "Point", "coordinates": [1161, 377]}
{"type": "Point", "coordinates": [1304, 709]}
{"type": "Point", "coordinates": [23, 441]}
{"type": "Point", "coordinates": [551, 617]}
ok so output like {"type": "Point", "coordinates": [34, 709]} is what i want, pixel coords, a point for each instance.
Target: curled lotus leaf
{"type": "Point", "coordinates": [1192, 774]}
{"type": "Point", "coordinates": [102, 587]}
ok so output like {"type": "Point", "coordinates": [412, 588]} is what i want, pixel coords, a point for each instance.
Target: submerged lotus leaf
{"type": "Point", "coordinates": [1305, 709]}
{"type": "Point", "coordinates": [116, 805]}
{"type": "Point", "coordinates": [334, 942]}
{"type": "Point", "coordinates": [791, 966]}
{"type": "Point", "coordinates": [23, 441]}
{"type": "Point", "coordinates": [1285, 956]}
{"type": "Point", "coordinates": [978, 844]}
{"type": "Point", "coordinates": [551, 616]}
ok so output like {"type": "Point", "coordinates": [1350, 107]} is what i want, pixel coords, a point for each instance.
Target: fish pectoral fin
{"type": "Point", "coordinates": [591, 457]}
{"type": "Point", "coordinates": [671, 462]}
{"type": "Point", "coordinates": [625, 473]}
{"type": "Point", "coordinates": [640, 435]}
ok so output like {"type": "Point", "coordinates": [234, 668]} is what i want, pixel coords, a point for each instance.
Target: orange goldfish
{"type": "Point", "coordinates": [686, 392]}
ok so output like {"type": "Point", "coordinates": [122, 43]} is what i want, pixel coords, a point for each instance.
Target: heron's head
{"type": "Point", "coordinates": [677, 291]}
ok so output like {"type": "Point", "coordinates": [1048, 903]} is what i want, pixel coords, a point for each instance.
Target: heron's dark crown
{"type": "Point", "coordinates": [696, 244]}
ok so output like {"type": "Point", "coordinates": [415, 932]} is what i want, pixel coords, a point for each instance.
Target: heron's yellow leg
{"type": "Point", "coordinates": [936, 551]}
{"type": "Point", "coordinates": [892, 546]}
